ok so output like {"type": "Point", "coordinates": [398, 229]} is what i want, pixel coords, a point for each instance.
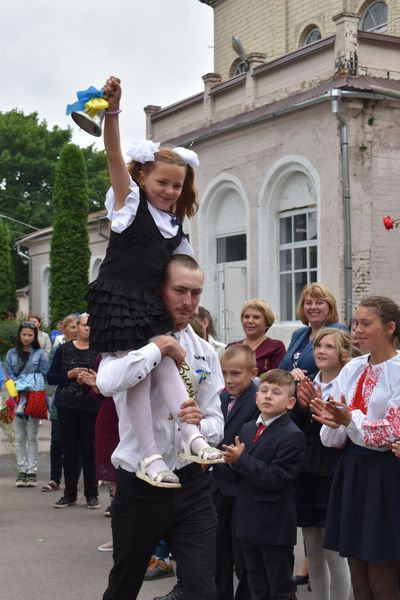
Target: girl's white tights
{"type": "Point", "coordinates": [329, 573]}
{"type": "Point", "coordinates": [171, 391]}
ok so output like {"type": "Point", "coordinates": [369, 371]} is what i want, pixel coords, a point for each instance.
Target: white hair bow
{"type": "Point", "coordinates": [143, 151]}
{"type": "Point", "coordinates": [188, 156]}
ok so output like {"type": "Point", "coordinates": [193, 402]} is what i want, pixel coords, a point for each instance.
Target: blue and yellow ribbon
{"type": "Point", "coordinates": [90, 100]}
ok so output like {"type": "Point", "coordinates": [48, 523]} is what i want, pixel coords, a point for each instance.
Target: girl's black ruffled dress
{"type": "Point", "coordinates": [124, 305]}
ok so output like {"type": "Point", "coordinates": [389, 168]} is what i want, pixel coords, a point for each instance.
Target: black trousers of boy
{"type": "Point", "coordinates": [77, 440]}
{"type": "Point", "coordinates": [269, 571]}
{"type": "Point", "coordinates": [185, 518]}
{"type": "Point", "coordinates": [229, 551]}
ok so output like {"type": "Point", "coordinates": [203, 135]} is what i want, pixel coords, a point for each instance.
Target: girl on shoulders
{"type": "Point", "coordinates": [147, 202]}
{"type": "Point", "coordinates": [363, 417]}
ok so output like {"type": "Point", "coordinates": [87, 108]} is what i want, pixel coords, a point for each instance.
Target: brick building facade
{"type": "Point", "coordinates": [297, 131]}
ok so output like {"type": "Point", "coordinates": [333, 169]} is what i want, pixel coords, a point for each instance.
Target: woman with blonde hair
{"type": "Point", "coordinates": [257, 317]}
{"type": "Point", "coordinates": [316, 309]}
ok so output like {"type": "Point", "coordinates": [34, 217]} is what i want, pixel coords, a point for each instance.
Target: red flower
{"type": "Point", "coordinates": [388, 222]}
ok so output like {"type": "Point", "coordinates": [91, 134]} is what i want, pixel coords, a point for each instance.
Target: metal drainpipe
{"type": "Point", "coordinates": [344, 148]}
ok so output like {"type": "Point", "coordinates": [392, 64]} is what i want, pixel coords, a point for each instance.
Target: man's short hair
{"type": "Point", "coordinates": [280, 377]}
{"type": "Point", "coordinates": [184, 260]}
{"type": "Point", "coordinates": [243, 350]}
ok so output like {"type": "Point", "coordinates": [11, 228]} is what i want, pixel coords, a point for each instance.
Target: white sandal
{"type": "Point", "coordinates": [158, 478]}
{"type": "Point", "coordinates": [202, 458]}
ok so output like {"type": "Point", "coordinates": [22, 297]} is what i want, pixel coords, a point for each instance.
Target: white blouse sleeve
{"type": "Point", "coordinates": [122, 218]}
{"type": "Point", "coordinates": [334, 438]}
{"type": "Point", "coordinates": [184, 247]}
{"type": "Point", "coordinates": [380, 427]}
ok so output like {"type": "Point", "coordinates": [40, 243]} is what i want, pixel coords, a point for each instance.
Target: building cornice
{"type": "Point", "coordinates": [363, 87]}
{"type": "Point", "coordinates": [379, 39]}
{"type": "Point", "coordinates": [93, 218]}
{"type": "Point", "coordinates": [298, 54]}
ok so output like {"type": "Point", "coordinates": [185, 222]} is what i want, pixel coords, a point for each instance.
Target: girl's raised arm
{"type": "Point", "coordinates": [118, 171]}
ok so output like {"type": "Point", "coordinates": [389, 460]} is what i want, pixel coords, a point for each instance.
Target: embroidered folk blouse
{"type": "Point", "coordinates": [380, 426]}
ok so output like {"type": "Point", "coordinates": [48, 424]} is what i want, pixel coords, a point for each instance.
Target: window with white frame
{"type": "Point", "coordinates": [375, 18]}
{"type": "Point", "coordinates": [298, 258]}
{"type": "Point", "coordinates": [312, 35]}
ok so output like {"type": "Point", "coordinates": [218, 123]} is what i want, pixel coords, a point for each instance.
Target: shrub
{"type": "Point", "coordinates": [8, 336]}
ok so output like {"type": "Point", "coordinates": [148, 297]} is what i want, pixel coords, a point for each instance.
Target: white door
{"type": "Point", "coordinates": [231, 294]}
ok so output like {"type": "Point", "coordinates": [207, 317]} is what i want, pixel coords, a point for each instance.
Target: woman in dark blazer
{"type": "Point", "coordinates": [316, 309]}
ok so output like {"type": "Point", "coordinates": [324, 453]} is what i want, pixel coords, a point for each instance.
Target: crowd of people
{"type": "Point", "coordinates": [328, 461]}
{"type": "Point", "coordinates": [215, 455]}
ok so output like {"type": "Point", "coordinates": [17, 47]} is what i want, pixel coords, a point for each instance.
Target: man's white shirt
{"type": "Point", "coordinates": [120, 371]}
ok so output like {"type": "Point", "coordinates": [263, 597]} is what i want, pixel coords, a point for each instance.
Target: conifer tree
{"type": "Point", "coordinates": [8, 298]}
{"type": "Point", "coordinates": [69, 254]}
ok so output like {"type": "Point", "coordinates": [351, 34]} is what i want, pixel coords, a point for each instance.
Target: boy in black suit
{"type": "Point", "coordinates": [268, 457]}
{"type": "Point", "coordinates": [238, 404]}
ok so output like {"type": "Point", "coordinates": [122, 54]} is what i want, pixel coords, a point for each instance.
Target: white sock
{"type": "Point", "coordinates": [340, 575]}
{"type": "Point", "coordinates": [173, 392]}
{"type": "Point", "coordinates": [139, 410]}
{"type": "Point", "coordinates": [317, 566]}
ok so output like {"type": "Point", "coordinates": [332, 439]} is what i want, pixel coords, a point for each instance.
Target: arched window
{"type": "Point", "coordinates": [238, 67]}
{"type": "Point", "coordinates": [298, 257]}
{"type": "Point", "coordinates": [311, 35]}
{"type": "Point", "coordinates": [224, 252]}
{"type": "Point", "coordinates": [375, 18]}
{"type": "Point", "coordinates": [288, 233]}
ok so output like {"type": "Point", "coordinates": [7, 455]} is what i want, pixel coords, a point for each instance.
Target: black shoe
{"type": "Point", "coordinates": [21, 480]}
{"type": "Point", "coordinates": [64, 502]}
{"type": "Point", "coordinates": [31, 480]}
{"type": "Point", "coordinates": [301, 579]}
{"type": "Point", "coordinates": [93, 502]}
{"type": "Point", "coordinates": [175, 594]}
{"type": "Point", "coordinates": [107, 512]}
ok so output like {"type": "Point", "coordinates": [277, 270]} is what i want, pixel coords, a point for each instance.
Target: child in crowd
{"type": "Point", "coordinates": [147, 201]}
{"type": "Point", "coordinates": [329, 572]}
{"type": "Point", "coordinates": [43, 337]}
{"type": "Point", "coordinates": [238, 403]}
{"type": "Point", "coordinates": [267, 456]}
{"type": "Point", "coordinates": [362, 417]}
{"type": "Point", "coordinates": [27, 358]}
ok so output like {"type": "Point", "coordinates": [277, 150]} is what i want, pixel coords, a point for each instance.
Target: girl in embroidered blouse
{"type": "Point", "coordinates": [363, 417]}
{"type": "Point", "coordinates": [147, 201]}
{"type": "Point", "coordinates": [328, 572]}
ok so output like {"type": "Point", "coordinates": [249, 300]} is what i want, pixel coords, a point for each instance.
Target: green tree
{"type": "Point", "coordinates": [69, 254]}
{"type": "Point", "coordinates": [98, 182]}
{"type": "Point", "coordinates": [29, 152]}
{"type": "Point", "coordinates": [8, 299]}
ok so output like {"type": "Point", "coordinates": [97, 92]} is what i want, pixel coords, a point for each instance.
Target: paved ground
{"type": "Point", "coordinates": [48, 554]}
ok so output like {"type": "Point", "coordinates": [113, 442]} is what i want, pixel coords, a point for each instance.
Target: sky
{"type": "Point", "coordinates": [49, 49]}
